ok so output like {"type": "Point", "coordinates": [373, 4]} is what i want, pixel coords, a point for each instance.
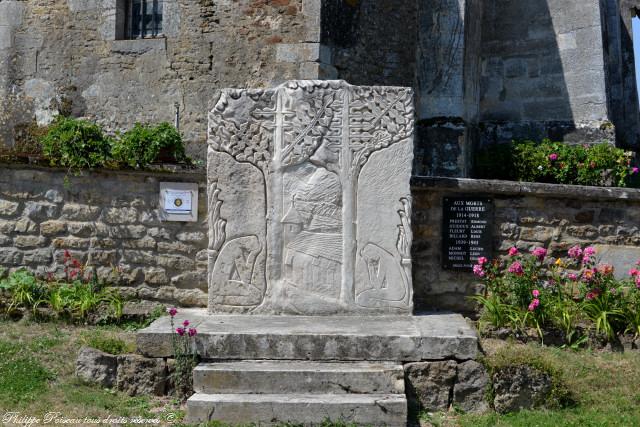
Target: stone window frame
{"type": "Point", "coordinates": [113, 26]}
{"type": "Point", "coordinates": [125, 18]}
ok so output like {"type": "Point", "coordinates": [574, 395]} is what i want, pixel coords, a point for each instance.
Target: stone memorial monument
{"type": "Point", "coordinates": [309, 200]}
{"type": "Point", "coordinates": [310, 292]}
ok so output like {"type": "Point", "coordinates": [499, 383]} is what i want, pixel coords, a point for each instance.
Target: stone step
{"type": "Point", "coordinates": [341, 338]}
{"type": "Point", "coordinates": [280, 377]}
{"type": "Point", "coordinates": [308, 409]}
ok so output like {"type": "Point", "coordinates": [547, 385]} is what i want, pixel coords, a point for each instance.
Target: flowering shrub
{"type": "Point", "coordinates": [185, 355]}
{"type": "Point", "coordinates": [534, 290]}
{"type": "Point", "coordinates": [73, 299]}
{"type": "Point", "coordinates": [557, 162]}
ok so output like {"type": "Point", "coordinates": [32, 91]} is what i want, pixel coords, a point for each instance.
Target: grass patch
{"type": "Point", "coordinates": [108, 342]}
{"type": "Point", "coordinates": [37, 374]}
{"type": "Point", "coordinates": [603, 386]}
{"type": "Point", "coordinates": [22, 377]}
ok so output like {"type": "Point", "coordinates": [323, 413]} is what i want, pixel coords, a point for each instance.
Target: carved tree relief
{"type": "Point", "coordinates": [309, 140]}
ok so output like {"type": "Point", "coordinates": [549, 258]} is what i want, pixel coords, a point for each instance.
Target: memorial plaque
{"type": "Point", "coordinates": [467, 231]}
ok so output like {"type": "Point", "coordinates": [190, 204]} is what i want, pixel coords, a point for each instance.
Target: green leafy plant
{"type": "Point", "coordinates": [24, 289]}
{"type": "Point", "coordinates": [76, 144]}
{"type": "Point", "coordinates": [532, 290]}
{"type": "Point", "coordinates": [185, 355]}
{"type": "Point", "coordinates": [556, 162]}
{"type": "Point", "coordinates": [146, 144]}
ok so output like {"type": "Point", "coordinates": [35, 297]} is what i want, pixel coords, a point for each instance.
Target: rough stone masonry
{"type": "Point", "coordinates": [482, 71]}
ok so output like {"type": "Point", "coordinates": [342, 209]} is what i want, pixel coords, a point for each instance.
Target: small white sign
{"type": "Point", "coordinates": [178, 202]}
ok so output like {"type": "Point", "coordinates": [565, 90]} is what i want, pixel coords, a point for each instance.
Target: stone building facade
{"type": "Point", "coordinates": [483, 70]}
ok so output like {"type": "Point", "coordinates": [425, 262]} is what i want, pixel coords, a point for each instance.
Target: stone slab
{"type": "Point", "coordinates": [281, 377]}
{"type": "Point", "coordinates": [344, 338]}
{"type": "Point", "coordinates": [307, 409]}
{"type": "Point", "coordinates": [622, 258]}
{"type": "Point", "coordinates": [309, 198]}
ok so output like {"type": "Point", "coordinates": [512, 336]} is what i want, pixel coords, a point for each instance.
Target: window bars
{"type": "Point", "coordinates": [144, 19]}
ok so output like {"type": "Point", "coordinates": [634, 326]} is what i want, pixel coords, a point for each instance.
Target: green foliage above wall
{"type": "Point", "coordinates": [556, 162]}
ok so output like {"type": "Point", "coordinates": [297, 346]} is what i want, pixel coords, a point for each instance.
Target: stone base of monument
{"type": "Point", "coordinates": [307, 369]}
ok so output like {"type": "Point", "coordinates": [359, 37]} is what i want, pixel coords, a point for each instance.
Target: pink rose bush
{"type": "Point", "coordinates": [571, 293]}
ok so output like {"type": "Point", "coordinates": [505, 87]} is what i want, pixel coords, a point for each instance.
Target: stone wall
{"type": "Point", "coordinates": [109, 220]}
{"type": "Point", "coordinates": [543, 71]}
{"type": "Point", "coordinates": [526, 215]}
{"type": "Point", "coordinates": [65, 56]}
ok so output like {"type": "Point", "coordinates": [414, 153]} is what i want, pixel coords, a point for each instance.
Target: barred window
{"type": "Point", "coordinates": [143, 19]}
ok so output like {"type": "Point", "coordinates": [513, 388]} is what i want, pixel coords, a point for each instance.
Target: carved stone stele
{"type": "Point", "coordinates": [309, 200]}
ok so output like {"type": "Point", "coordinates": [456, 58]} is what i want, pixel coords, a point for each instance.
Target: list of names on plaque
{"type": "Point", "coordinates": [466, 231]}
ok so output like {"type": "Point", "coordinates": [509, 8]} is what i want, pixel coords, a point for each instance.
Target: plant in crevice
{"type": "Point", "coordinates": [186, 357]}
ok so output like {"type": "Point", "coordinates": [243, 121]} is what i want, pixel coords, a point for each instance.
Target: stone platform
{"type": "Point", "coordinates": [339, 338]}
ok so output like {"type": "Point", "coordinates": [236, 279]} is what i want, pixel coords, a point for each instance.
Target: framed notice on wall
{"type": "Point", "coordinates": [467, 231]}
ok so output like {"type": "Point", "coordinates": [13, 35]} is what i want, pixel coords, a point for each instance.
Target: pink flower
{"type": "Point", "coordinates": [553, 157]}
{"type": "Point", "coordinates": [172, 311]}
{"type": "Point", "coordinates": [536, 293]}
{"type": "Point", "coordinates": [513, 251]}
{"type": "Point", "coordinates": [589, 251]}
{"type": "Point", "coordinates": [192, 332]}
{"type": "Point", "coordinates": [575, 252]}
{"type": "Point", "coordinates": [634, 272]}
{"type": "Point", "coordinates": [180, 331]}
{"type": "Point", "coordinates": [635, 170]}
{"type": "Point", "coordinates": [516, 268]}
{"type": "Point", "coordinates": [638, 282]}
{"type": "Point", "coordinates": [589, 275]}
{"type": "Point", "coordinates": [534, 304]}
{"type": "Point", "coordinates": [573, 277]}
{"type": "Point", "coordinates": [478, 270]}
{"type": "Point", "coordinates": [605, 269]}
{"type": "Point", "coordinates": [539, 253]}
{"type": "Point", "coordinates": [185, 323]}
{"type": "Point", "coordinates": [482, 260]}
{"type": "Point", "coordinates": [595, 293]}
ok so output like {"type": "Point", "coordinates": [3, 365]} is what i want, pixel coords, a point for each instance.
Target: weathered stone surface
{"type": "Point", "coordinates": [156, 276]}
{"type": "Point", "coordinates": [53, 228]}
{"type": "Point", "coordinates": [139, 375]}
{"type": "Point", "coordinates": [41, 210]}
{"type": "Point", "coordinates": [621, 257]}
{"type": "Point", "coordinates": [283, 377]}
{"type": "Point", "coordinates": [8, 208]}
{"type": "Point", "coordinates": [429, 384]}
{"type": "Point", "coordinates": [520, 387]}
{"type": "Point", "coordinates": [346, 338]}
{"type": "Point", "coordinates": [25, 225]}
{"type": "Point", "coordinates": [307, 409]}
{"type": "Point", "coordinates": [335, 174]}
{"type": "Point", "coordinates": [97, 367]}
{"type": "Point", "coordinates": [27, 242]}
{"type": "Point", "coordinates": [470, 389]}
{"type": "Point", "coordinates": [120, 215]}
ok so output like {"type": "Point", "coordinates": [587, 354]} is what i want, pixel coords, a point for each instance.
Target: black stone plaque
{"type": "Point", "coordinates": [467, 231]}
